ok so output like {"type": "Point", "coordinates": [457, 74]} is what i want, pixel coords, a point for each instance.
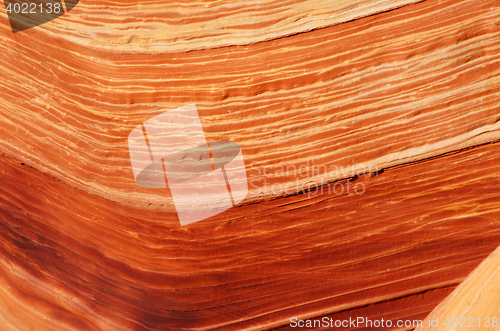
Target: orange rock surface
{"type": "Point", "coordinates": [474, 303]}
{"type": "Point", "coordinates": [405, 93]}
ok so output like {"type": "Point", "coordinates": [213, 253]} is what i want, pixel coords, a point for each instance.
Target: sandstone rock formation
{"type": "Point", "coordinates": [474, 303]}
{"type": "Point", "coordinates": [405, 93]}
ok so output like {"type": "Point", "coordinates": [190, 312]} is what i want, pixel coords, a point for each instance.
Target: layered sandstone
{"type": "Point", "coordinates": [404, 93]}
{"type": "Point", "coordinates": [474, 303]}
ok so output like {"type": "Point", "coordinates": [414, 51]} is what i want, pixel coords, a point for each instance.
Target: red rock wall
{"type": "Point", "coordinates": [408, 88]}
{"type": "Point", "coordinates": [474, 303]}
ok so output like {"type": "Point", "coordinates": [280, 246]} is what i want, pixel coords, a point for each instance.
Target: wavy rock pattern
{"type": "Point", "coordinates": [402, 86]}
{"type": "Point", "coordinates": [474, 303]}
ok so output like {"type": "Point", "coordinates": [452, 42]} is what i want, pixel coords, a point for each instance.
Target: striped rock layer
{"type": "Point", "coordinates": [316, 93]}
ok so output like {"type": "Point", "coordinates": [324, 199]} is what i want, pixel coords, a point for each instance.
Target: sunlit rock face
{"type": "Point", "coordinates": [368, 132]}
{"type": "Point", "coordinates": [474, 297]}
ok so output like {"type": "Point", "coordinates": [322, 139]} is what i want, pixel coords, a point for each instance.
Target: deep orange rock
{"type": "Point", "coordinates": [404, 93]}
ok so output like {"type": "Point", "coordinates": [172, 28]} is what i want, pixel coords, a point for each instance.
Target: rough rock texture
{"type": "Point", "coordinates": [410, 88]}
{"type": "Point", "coordinates": [474, 303]}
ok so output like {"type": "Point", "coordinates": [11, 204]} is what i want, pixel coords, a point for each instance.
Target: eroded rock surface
{"type": "Point", "coordinates": [405, 93]}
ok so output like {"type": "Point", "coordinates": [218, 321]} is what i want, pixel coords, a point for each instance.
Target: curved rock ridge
{"type": "Point", "coordinates": [370, 146]}
{"type": "Point", "coordinates": [474, 302]}
{"type": "Point", "coordinates": [74, 261]}
{"type": "Point", "coordinates": [159, 26]}
{"type": "Point", "coordinates": [352, 96]}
